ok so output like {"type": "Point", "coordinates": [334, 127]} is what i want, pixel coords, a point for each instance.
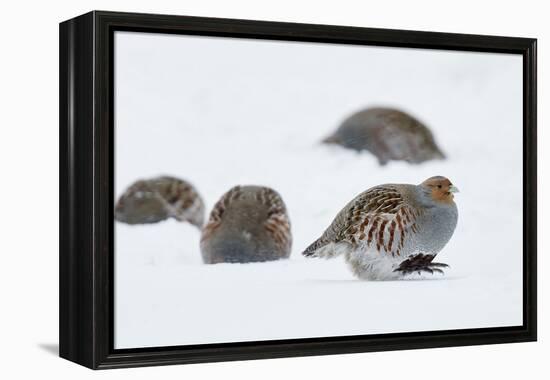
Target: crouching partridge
{"type": "Point", "coordinates": [393, 230]}
{"type": "Point", "coordinates": [389, 134]}
{"type": "Point", "coordinates": [156, 199]}
{"type": "Point", "coordinates": [248, 224]}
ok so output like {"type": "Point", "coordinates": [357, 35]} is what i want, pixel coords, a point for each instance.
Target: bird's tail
{"type": "Point", "coordinates": [313, 247]}
{"type": "Point", "coordinates": [332, 139]}
{"type": "Point", "coordinates": [440, 154]}
{"type": "Point", "coordinates": [320, 248]}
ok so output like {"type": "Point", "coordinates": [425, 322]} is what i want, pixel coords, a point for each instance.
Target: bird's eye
{"type": "Point", "coordinates": [439, 186]}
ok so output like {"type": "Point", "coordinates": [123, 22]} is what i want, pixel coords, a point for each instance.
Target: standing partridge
{"type": "Point", "coordinates": [390, 231]}
{"type": "Point", "coordinates": [248, 224]}
{"type": "Point", "coordinates": [388, 134]}
{"type": "Point", "coordinates": [160, 198]}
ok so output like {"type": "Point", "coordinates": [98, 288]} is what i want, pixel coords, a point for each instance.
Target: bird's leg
{"type": "Point", "coordinates": [420, 263]}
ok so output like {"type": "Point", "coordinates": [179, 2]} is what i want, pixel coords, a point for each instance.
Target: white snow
{"type": "Point", "coordinates": [222, 112]}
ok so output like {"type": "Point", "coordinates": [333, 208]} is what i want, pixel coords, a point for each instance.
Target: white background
{"type": "Point", "coordinates": [29, 157]}
{"type": "Point", "coordinates": [221, 112]}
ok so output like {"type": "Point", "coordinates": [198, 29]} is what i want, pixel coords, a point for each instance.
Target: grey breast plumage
{"type": "Point", "coordinates": [248, 224]}
{"type": "Point", "coordinates": [388, 134]}
{"type": "Point", "coordinates": [156, 199]}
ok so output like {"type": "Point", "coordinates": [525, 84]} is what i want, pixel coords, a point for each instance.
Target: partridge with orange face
{"type": "Point", "coordinates": [393, 230]}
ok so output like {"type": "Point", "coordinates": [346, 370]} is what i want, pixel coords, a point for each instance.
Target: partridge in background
{"type": "Point", "coordinates": [248, 224]}
{"type": "Point", "coordinates": [389, 134]}
{"type": "Point", "coordinates": [160, 198]}
{"type": "Point", "coordinates": [393, 230]}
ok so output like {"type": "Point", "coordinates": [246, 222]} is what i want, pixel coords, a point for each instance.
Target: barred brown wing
{"type": "Point", "coordinates": [378, 218]}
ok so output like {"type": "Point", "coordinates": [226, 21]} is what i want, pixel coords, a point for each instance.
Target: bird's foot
{"type": "Point", "coordinates": [420, 263]}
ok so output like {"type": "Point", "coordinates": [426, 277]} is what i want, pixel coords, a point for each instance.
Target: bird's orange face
{"type": "Point", "coordinates": [441, 188]}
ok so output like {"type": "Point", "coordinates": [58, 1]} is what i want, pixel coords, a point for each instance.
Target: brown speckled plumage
{"type": "Point", "coordinates": [160, 198]}
{"type": "Point", "coordinates": [385, 227]}
{"type": "Point", "coordinates": [379, 218]}
{"type": "Point", "coordinates": [247, 224]}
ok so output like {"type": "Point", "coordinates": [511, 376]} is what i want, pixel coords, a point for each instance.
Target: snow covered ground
{"type": "Point", "coordinates": [221, 112]}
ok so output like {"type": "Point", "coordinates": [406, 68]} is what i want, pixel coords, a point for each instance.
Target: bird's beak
{"type": "Point", "coordinates": [453, 189]}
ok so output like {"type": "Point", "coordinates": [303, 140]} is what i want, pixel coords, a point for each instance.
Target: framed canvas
{"type": "Point", "coordinates": [235, 189]}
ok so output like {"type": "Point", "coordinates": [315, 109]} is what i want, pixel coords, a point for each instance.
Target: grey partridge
{"type": "Point", "coordinates": [393, 230]}
{"type": "Point", "coordinates": [248, 224]}
{"type": "Point", "coordinates": [388, 134]}
{"type": "Point", "coordinates": [160, 198]}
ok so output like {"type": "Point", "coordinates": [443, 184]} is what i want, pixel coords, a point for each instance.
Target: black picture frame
{"type": "Point", "coordinates": [87, 196]}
